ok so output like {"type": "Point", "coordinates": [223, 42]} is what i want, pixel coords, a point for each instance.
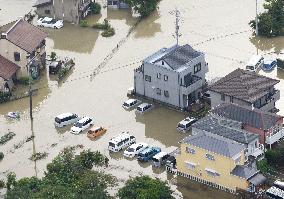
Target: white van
{"type": "Point", "coordinates": [160, 159]}
{"type": "Point", "coordinates": [65, 119]}
{"type": "Point", "coordinates": [185, 124]}
{"type": "Point", "coordinates": [255, 63]}
{"type": "Point", "coordinates": [121, 141]}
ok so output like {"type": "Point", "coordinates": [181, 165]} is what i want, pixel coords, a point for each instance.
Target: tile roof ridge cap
{"type": "Point", "coordinates": [15, 24]}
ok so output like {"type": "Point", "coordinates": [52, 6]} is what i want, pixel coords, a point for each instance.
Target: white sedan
{"type": "Point", "coordinates": [134, 149]}
{"type": "Point", "coordinates": [82, 125]}
{"type": "Point", "coordinates": [50, 23]}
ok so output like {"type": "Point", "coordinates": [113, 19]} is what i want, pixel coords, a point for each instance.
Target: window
{"type": "Point", "coordinates": [197, 68]}
{"type": "Point", "coordinates": [17, 56]}
{"type": "Point", "coordinates": [190, 165]}
{"type": "Point", "coordinates": [159, 75]}
{"type": "Point", "coordinates": [223, 97]}
{"type": "Point", "coordinates": [190, 150]}
{"type": "Point", "coordinates": [231, 99]}
{"type": "Point", "coordinates": [210, 157]}
{"type": "Point", "coordinates": [166, 77]}
{"type": "Point", "coordinates": [212, 173]}
{"type": "Point", "coordinates": [47, 12]}
{"type": "Point", "coordinates": [159, 91]}
{"type": "Point", "coordinates": [166, 93]}
{"type": "Point", "coordinates": [147, 78]}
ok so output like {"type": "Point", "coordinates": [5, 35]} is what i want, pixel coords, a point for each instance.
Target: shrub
{"type": "Point", "coordinates": [53, 56]}
{"type": "Point", "coordinates": [262, 165]}
{"type": "Point", "coordinates": [102, 26]}
{"type": "Point", "coordinates": [62, 72]}
{"type": "Point", "coordinates": [38, 156]}
{"type": "Point", "coordinates": [95, 8]}
{"type": "Point", "coordinates": [275, 157]}
{"type": "Point", "coordinates": [2, 184]}
{"type": "Point", "coordinates": [5, 138]}
{"type": "Point", "coordinates": [1, 156]}
{"type": "Point", "coordinates": [24, 80]}
{"type": "Point", "coordinates": [108, 32]}
{"type": "Point", "coordinates": [84, 23]}
{"type": "Point", "coordinates": [4, 96]}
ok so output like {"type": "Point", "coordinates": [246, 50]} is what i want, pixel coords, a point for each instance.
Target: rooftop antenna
{"type": "Point", "coordinates": [177, 34]}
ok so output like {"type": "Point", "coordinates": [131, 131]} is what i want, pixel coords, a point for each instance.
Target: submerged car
{"type": "Point", "coordinates": [130, 103]}
{"type": "Point", "coordinates": [269, 65]}
{"type": "Point", "coordinates": [54, 67]}
{"type": "Point", "coordinates": [48, 22]}
{"type": "Point", "coordinates": [82, 125]}
{"type": "Point", "coordinates": [147, 154]}
{"type": "Point", "coordinates": [96, 132]}
{"type": "Point", "coordinates": [65, 119]}
{"type": "Point", "coordinates": [143, 108]}
{"type": "Point", "coordinates": [185, 124]}
{"type": "Point", "coordinates": [134, 149]}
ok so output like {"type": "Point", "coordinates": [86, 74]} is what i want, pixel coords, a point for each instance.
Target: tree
{"type": "Point", "coordinates": [143, 7]}
{"type": "Point", "coordinates": [145, 188]}
{"type": "Point", "coordinates": [270, 22]}
{"type": "Point", "coordinates": [67, 176]}
{"type": "Point", "coordinates": [95, 8]}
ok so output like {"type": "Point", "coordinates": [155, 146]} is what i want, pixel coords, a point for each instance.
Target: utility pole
{"type": "Point", "coordinates": [256, 19]}
{"type": "Point", "coordinates": [177, 34]}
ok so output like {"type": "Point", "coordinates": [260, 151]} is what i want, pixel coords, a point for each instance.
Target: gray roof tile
{"type": "Point", "coordinates": [244, 171]}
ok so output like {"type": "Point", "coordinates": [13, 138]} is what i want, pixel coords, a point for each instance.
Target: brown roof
{"type": "Point", "coordinates": [244, 85]}
{"type": "Point", "coordinates": [25, 35]}
{"type": "Point", "coordinates": [7, 68]}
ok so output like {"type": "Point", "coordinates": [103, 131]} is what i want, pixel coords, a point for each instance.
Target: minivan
{"type": "Point", "coordinates": [82, 125]}
{"type": "Point", "coordinates": [185, 124]}
{"type": "Point", "coordinates": [255, 63]}
{"type": "Point", "coordinates": [130, 103]}
{"type": "Point", "coordinates": [160, 159]}
{"type": "Point", "coordinates": [147, 154]}
{"type": "Point", "coordinates": [144, 108]}
{"type": "Point", "coordinates": [65, 119]}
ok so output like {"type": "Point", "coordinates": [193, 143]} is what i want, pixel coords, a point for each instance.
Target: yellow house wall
{"type": "Point", "coordinates": [7, 50]}
{"type": "Point", "coordinates": [223, 165]}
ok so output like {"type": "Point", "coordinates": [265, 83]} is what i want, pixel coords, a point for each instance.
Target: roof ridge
{"type": "Point", "coordinates": [13, 26]}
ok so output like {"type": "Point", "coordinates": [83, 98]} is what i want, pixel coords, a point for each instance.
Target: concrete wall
{"type": "Point", "coordinates": [41, 11]}
{"type": "Point", "coordinates": [7, 50]}
{"type": "Point", "coordinates": [216, 100]}
{"type": "Point", "coordinates": [2, 84]}
{"type": "Point", "coordinates": [223, 165]}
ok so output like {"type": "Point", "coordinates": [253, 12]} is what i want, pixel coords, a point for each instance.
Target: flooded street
{"type": "Point", "coordinates": [218, 28]}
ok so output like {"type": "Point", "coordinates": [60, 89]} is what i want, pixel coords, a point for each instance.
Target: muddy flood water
{"type": "Point", "coordinates": [218, 28]}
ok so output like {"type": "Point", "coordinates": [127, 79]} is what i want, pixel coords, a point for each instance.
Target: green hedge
{"type": "Point", "coordinates": [4, 97]}
{"type": "Point", "coordinates": [1, 156]}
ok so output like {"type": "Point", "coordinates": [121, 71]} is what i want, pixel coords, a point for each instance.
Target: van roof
{"type": "Point", "coordinates": [84, 119]}
{"type": "Point", "coordinates": [120, 137]}
{"type": "Point", "coordinates": [64, 115]}
{"type": "Point", "coordinates": [149, 149]}
{"type": "Point", "coordinates": [186, 120]}
{"type": "Point", "coordinates": [138, 144]}
{"type": "Point", "coordinates": [143, 105]}
{"type": "Point", "coordinates": [130, 101]}
{"type": "Point", "coordinates": [160, 155]}
{"type": "Point", "coordinates": [95, 128]}
{"type": "Point", "coordinates": [253, 60]}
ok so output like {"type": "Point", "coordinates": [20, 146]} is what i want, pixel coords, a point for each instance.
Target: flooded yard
{"type": "Point", "coordinates": [218, 28]}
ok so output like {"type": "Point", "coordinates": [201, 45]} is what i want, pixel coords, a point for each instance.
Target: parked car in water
{"type": "Point", "coordinates": [54, 67]}
{"type": "Point", "coordinates": [48, 22]}
{"type": "Point", "coordinates": [255, 63]}
{"type": "Point", "coordinates": [185, 124]}
{"type": "Point", "coordinates": [82, 125]}
{"type": "Point", "coordinates": [65, 119]}
{"type": "Point", "coordinates": [121, 141]}
{"type": "Point", "coordinates": [147, 154]}
{"type": "Point", "coordinates": [160, 159]}
{"type": "Point", "coordinates": [143, 108]}
{"type": "Point", "coordinates": [95, 132]}
{"type": "Point", "coordinates": [269, 65]}
{"type": "Point", "coordinates": [171, 162]}
{"type": "Point", "coordinates": [130, 103]}
{"type": "Point", "coordinates": [134, 149]}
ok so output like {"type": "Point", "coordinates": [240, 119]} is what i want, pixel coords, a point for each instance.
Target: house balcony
{"type": "Point", "coordinates": [258, 151]}
{"type": "Point", "coordinates": [269, 104]}
{"type": "Point", "coordinates": [194, 85]}
{"type": "Point", "coordinates": [274, 137]}
{"type": "Point", "coordinates": [84, 6]}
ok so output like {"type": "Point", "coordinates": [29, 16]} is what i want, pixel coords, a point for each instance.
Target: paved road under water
{"type": "Point", "coordinates": [218, 28]}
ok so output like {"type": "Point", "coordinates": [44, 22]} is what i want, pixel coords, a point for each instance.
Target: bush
{"type": "Point", "coordinates": [102, 26]}
{"type": "Point", "coordinates": [275, 157]}
{"type": "Point", "coordinates": [2, 184]}
{"type": "Point", "coordinates": [143, 7]}
{"type": "Point", "coordinates": [263, 166]}
{"type": "Point", "coordinates": [24, 80]}
{"type": "Point", "coordinates": [5, 96]}
{"type": "Point", "coordinates": [38, 156]}
{"type": "Point", "coordinates": [1, 156]}
{"type": "Point", "coordinates": [95, 8]}
{"type": "Point", "coordinates": [53, 56]}
{"type": "Point", "coordinates": [5, 138]}
{"type": "Point", "coordinates": [84, 23]}
{"type": "Point", "coordinates": [108, 32]}
{"type": "Point", "coordinates": [62, 72]}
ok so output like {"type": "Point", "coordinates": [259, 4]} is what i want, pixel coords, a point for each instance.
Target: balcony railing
{"type": "Point", "coordinates": [84, 6]}
{"type": "Point", "coordinates": [258, 151]}
{"type": "Point", "coordinates": [274, 137]}
{"type": "Point", "coordinates": [273, 97]}
{"type": "Point", "coordinates": [193, 80]}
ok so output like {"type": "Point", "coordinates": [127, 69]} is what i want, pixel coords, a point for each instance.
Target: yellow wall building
{"type": "Point", "coordinates": [217, 161]}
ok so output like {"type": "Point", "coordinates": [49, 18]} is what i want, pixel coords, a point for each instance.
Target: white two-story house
{"type": "Point", "coordinates": [174, 76]}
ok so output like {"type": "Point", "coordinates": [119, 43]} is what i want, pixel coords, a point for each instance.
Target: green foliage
{"type": "Point", "coordinates": [4, 96]}
{"type": "Point", "coordinates": [53, 56]}
{"type": "Point", "coordinates": [95, 8]}
{"type": "Point", "coordinates": [84, 23]}
{"type": "Point", "coordinates": [143, 7]}
{"type": "Point", "coordinates": [108, 30]}
{"type": "Point", "coordinates": [67, 176]}
{"type": "Point", "coordinates": [263, 166]}
{"type": "Point", "coordinates": [38, 156]}
{"type": "Point", "coordinates": [275, 157]}
{"type": "Point", "coordinates": [7, 137]}
{"type": "Point", "coordinates": [2, 184]}
{"type": "Point", "coordinates": [1, 156]}
{"type": "Point", "coordinates": [11, 181]}
{"type": "Point", "coordinates": [24, 80]}
{"type": "Point", "coordinates": [270, 22]}
{"type": "Point", "coordinates": [62, 72]}
{"type": "Point", "coordinates": [145, 188]}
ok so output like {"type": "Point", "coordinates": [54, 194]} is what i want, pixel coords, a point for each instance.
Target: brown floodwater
{"type": "Point", "coordinates": [218, 28]}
